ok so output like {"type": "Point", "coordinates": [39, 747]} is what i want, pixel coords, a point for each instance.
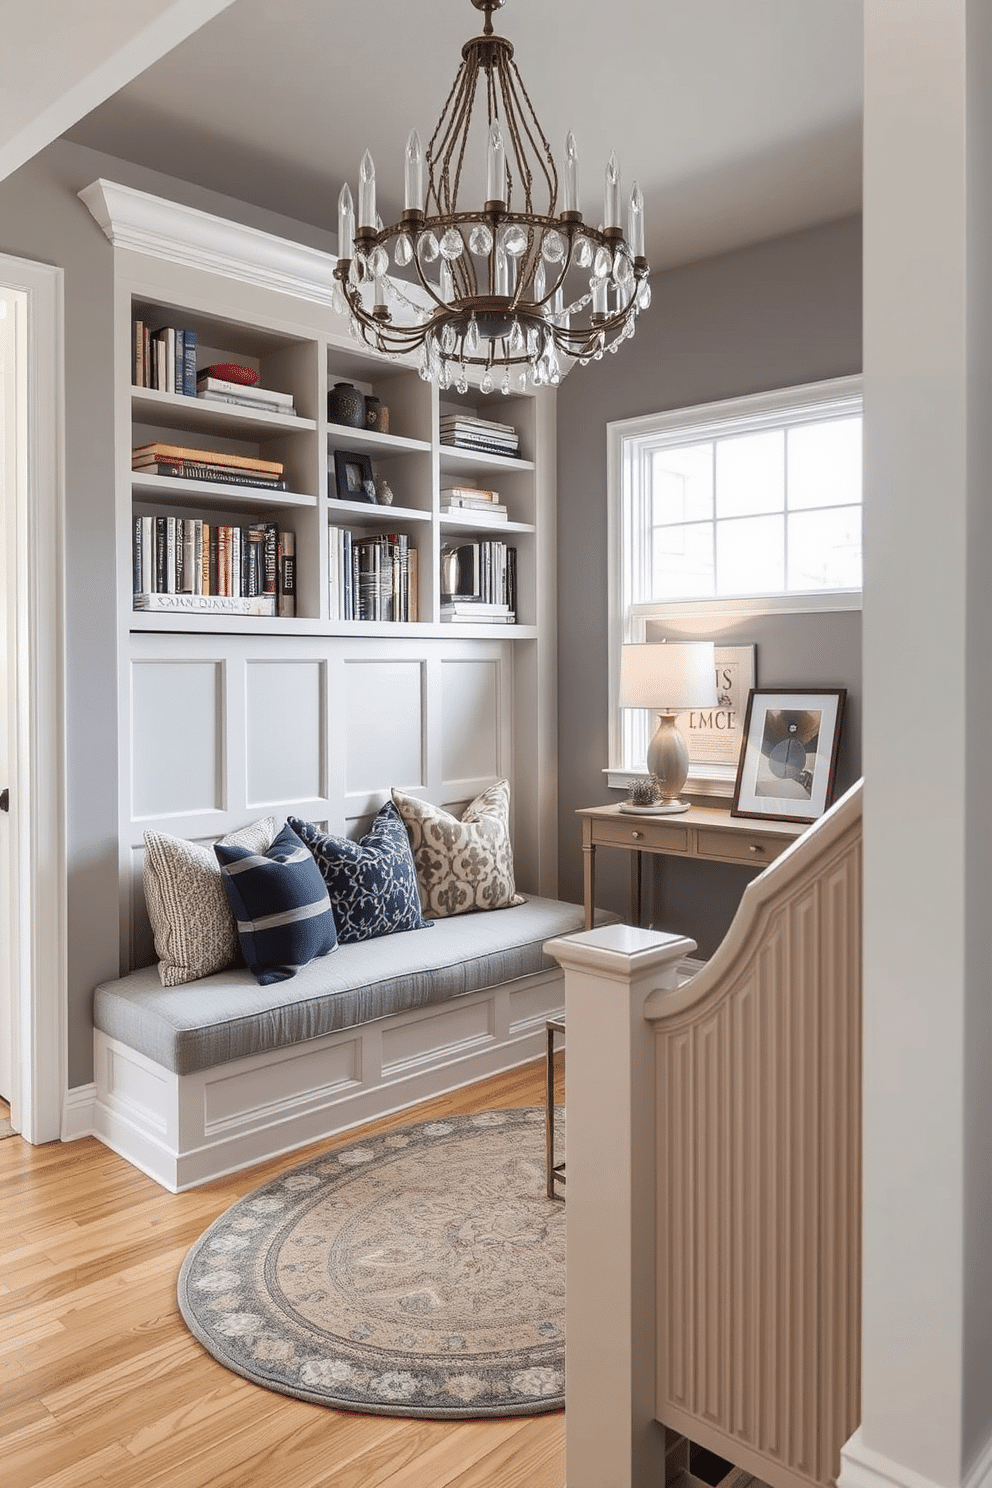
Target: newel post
{"type": "Point", "coordinates": [612, 1439]}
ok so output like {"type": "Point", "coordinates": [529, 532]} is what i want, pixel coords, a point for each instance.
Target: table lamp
{"type": "Point", "coordinates": [668, 676]}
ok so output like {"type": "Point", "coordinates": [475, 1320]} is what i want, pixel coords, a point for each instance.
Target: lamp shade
{"type": "Point", "coordinates": [670, 675]}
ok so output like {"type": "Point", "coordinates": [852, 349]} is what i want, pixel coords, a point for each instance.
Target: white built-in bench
{"type": "Point", "coordinates": [202, 1079]}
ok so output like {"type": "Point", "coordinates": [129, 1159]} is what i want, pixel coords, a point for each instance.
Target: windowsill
{"type": "Point", "coordinates": [703, 780]}
{"type": "Point", "coordinates": [809, 603]}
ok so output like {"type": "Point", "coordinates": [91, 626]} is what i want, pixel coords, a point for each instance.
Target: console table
{"type": "Point", "coordinates": [701, 832]}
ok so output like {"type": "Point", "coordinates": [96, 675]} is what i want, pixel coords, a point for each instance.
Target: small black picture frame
{"type": "Point", "coordinates": [353, 476]}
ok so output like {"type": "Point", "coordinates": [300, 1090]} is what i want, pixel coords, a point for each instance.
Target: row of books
{"type": "Point", "coordinates": [164, 357]}
{"type": "Point", "coordinates": [461, 431]}
{"type": "Point", "coordinates": [184, 563]}
{"type": "Point", "coordinates": [189, 463]}
{"type": "Point", "coordinates": [371, 578]}
{"type": "Point", "coordinates": [456, 500]}
{"type": "Point", "coordinates": [479, 573]}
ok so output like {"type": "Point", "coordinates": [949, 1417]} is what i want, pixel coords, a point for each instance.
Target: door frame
{"type": "Point", "coordinates": [35, 587]}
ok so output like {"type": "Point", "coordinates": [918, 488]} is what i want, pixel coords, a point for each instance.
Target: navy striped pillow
{"type": "Point", "coordinates": [280, 903]}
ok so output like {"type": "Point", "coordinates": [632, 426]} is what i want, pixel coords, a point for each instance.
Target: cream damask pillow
{"type": "Point", "coordinates": [191, 920]}
{"type": "Point", "coordinates": [466, 864]}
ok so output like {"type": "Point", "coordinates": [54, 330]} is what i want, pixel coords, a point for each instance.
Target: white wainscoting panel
{"type": "Point", "coordinates": [177, 716]}
{"type": "Point", "coordinates": [314, 726]}
{"type": "Point", "coordinates": [469, 719]}
{"type": "Point", "coordinates": [383, 715]}
{"type": "Point", "coordinates": [285, 732]}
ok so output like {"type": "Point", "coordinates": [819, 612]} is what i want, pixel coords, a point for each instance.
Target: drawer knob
{"type": "Point", "coordinates": [756, 847]}
{"type": "Point", "coordinates": [637, 836]}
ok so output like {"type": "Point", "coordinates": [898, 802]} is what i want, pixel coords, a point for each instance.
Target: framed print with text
{"type": "Point", "coordinates": [789, 755]}
{"type": "Point", "coordinates": [713, 736]}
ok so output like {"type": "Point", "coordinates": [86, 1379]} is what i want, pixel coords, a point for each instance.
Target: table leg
{"type": "Point", "coordinates": [635, 886]}
{"type": "Point", "coordinates": [589, 881]}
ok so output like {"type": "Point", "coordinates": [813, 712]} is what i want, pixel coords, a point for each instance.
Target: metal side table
{"type": "Point", "coordinates": [555, 1171]}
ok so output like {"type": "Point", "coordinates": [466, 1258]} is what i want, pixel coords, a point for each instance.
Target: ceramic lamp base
{"type": "Point", "coordinates": [668, 762]}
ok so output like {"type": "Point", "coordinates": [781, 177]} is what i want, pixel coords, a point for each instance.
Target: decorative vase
{"type": "Point", "coordinates": [372, 407]}
{"type": "Point", "coordinates": [346, 405]}
{"type": "Point", "coordinates": [383, 491]}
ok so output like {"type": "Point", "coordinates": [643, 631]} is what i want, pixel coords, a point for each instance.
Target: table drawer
{"type": "Point", "coordinates": [642, 833]}
{"type": "Point", "coordinates": [740, 847]}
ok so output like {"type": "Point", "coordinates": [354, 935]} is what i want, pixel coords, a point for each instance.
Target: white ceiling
{"type": "Point", "coordinates": [740, 119]}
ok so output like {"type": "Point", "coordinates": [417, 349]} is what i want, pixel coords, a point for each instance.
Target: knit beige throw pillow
{"type": "Point", "coordinates": [191, 920]}
{"type": "Point", "coordinates": [465, 864]}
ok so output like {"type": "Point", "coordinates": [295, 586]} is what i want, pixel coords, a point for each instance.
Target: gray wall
{"type": "Point", "coordinates": [42, 218]}
{"type": "Point", "coordinates": [775, 315]}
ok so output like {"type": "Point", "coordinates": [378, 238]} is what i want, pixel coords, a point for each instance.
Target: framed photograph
{"type": "Point", "coordinates": [353, 476]}
{"type": "Point", "coordinates": [789, 755]}
{"type": "Point", "coordinates": [714, 735]}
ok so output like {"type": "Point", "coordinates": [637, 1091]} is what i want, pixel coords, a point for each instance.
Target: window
{"type": "Point", "coordinates": [748, 506]}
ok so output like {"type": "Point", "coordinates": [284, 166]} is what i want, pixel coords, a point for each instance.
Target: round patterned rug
{"type": "Point", "coordinates": [418, 1273]}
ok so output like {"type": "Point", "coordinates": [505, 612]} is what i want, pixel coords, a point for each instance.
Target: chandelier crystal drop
{"type": "Point", "coordinates": [503, 285]}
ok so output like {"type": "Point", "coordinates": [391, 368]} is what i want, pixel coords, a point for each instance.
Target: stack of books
{"type": "Point", "coordinates": [457, 500]}
{"type": "Point", "coordinates": [186, 564]}
{"type": "Point", "coordinates": [266, 400]}
{"type": "Point", "coordinates": [461, 431]}
{"type": "Point", "coordinates": [207, 465]}
{"type": "Point", "coordinates": [164, 358]}
{"type": "Point", "coordinates": [484, 582]}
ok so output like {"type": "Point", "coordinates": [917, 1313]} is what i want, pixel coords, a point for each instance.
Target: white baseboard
{"type": "Point", "coordinates": [79, 1113]}
{"type": "Point", "coordinates": [862, 1467]}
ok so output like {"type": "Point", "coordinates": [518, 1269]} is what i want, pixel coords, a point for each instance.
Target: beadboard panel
{"type": "Point", "coordinates": [311, 726]}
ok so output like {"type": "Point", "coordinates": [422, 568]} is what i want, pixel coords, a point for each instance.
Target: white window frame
{"type": "Point", "coordinates": [700, 616]}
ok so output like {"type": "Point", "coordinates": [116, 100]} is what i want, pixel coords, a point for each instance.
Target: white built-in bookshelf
{"type": "Point", "coordinates": [410, 457]}
{"type": "Point", "coordinates": [225, 716]}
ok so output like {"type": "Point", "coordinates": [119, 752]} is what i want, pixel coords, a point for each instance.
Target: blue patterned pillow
{"type": "Point", "coordinates": [280, 903]}
{"type": "Point", "coordinates": [372, 883]}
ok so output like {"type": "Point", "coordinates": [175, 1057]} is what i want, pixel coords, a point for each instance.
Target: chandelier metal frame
{"type": "Point", "coordinates": [498, 301]}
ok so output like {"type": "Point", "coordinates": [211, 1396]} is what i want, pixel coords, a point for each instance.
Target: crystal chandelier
{"type": "Point", "coordinates": [507, 291]}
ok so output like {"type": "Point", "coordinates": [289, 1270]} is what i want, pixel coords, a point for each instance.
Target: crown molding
{"type": "Point", "coordinates": [184, 235]}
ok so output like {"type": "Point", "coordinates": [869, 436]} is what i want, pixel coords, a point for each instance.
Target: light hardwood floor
{"type": "Point", "coordinates": [101, 1385]}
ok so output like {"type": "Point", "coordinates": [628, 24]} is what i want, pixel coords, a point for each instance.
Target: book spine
{"type": "Point", "coordinates": [137, 556]}
{"type": "Point", "coordinates": [189, 556]}
{"type": "Point", "coordinates": [177, 360]}
{"type": "Point", "coordinates": [286, 597]}
{"type": "Point", "coordinates": [214, 576]}
{"type": "Point", "coordinates": [271, 585]}
{"type": "Point", "coordinates": [205, 558]}
{"type": "Point", "coordinates": [189, 363]}
{"type": "Point", "coordinates": [170, 555]}
{"type": "Point", "coordinates": [147, 583]}
{"type": "Point", "coordinates": [160, 561]}
{"type": "Point", "coordinates": [138, 370]}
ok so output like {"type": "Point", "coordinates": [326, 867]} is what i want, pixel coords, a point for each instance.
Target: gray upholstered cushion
{"type": "Point", "coordinates": [229, 1016]}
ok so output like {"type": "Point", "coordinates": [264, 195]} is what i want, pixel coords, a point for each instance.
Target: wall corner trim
{"type": "Point", "coordinates": [164, 229]}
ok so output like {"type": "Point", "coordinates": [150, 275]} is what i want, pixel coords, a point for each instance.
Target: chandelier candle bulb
{"type": "Point", "coordinates": [346, 223]}
{"type": "Point", "coordinates": [366, 192]}
{"type": "Point", "coordinates": [635, 228]}
{"type": "Point", "coordinates": [414, 174]}
{"type": "Point", "coordinates": [496, 165]}
{"type": "Point", "coordinates": [611, 200]}
{"type": "Point", "coordinates": [571, 175]}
